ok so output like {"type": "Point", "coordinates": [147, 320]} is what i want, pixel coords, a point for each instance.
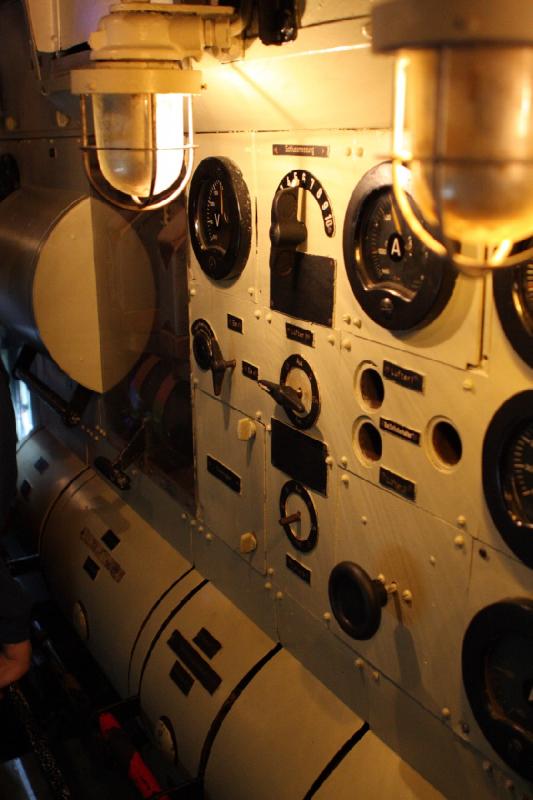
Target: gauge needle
{"type": "Point", "coordinates": [221, 195]}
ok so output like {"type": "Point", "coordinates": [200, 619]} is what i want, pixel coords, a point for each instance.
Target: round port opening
{"type": "Point", "coordinates": [371, 389]}
{"type": "Point", "coordinates": [367, 442]}
{"type": "Point", "coordinates": [446, 444]}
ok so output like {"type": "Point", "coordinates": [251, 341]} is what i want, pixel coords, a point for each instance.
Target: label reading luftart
{"type": "Point", "coordinates": [401, 431]}
{"type": "Point", "coordinates": [404, 377]}
{"type": "Point", "coordinates": [304, 573]}
{"type": "Point", "coordinates": [396, 483]}
{"type": "Point", "coordinates": [297, 334]}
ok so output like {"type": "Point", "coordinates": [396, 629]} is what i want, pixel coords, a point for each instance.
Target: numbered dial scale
{"type": "Point", "coordinates": [298, 516]}
{"type": "Point", "coordinates": [220, 218]}
{"type": "Point", "coordinates": [508, 473]}
{"type": "Point", "coordinates": [398, 281]}
{"type": "Point", "coordinates": [497, 663]}
{"type": "Point", "coordinates": [513, 295]}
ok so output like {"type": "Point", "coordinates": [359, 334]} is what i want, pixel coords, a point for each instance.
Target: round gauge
{"type": "Point", "coordinates": [220, 218]}
{"type": "Point", "coordinates": [497, 663]}
{"type": "Point", "coordinates": [356, 600]}
{"type": "Point", "coordinates": [202, 343]}
{"type": "Point", "coordinates": [298, 516]}
{"type": "Point", "coordinates": [297, 373]}
{"type": "Point", "coordinates": [508, 473]}
{"type": "Point", "coordinates": [398, 281]}
{"type": "Point", "coordinates": [513, 295]}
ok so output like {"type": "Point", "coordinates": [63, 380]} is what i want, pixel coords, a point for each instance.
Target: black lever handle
{"type": "Point", "coordinates": [286, 230]}
{"type": "Point", "coordinates": [287, 397]}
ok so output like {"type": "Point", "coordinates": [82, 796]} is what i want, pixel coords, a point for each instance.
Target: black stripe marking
{"type": "Point", "coordinates": [183, 680]}
{"type": "Point", "coordinates": [202, 671]}
{"type": "Point", "coordinates": [207, 643]}
{"type": "Point", "coordinates": [336, 760]}
{"type": "Point", "coordinates": [226, 706]}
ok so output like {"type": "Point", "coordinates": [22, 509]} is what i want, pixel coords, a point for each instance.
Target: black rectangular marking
{"type": "Point", "coordinates": [224, 474]}
{"type": "Point", "coordinates": [402, 431]}
{"type": "Point", "coordinates": [396, 483]}
{"type": "Point", "coordinates": [249, 371]}
{"type": "Point", "coordinates": [304, 573]}
{"type": "Point", "coordinates": [404, 377]}
{"type": "Point", "coordinates": [306, 291]}
{"type": "Point", "coordinates": [192, 659]}
{"type": "Point", "coordinates": [41, 465]}
{"type": "Point", "coordinates": [299, 456]}
{"type": "Point", "coordinates": [183, 680]}
{"type": "Point", "coordinates": [25, 489]}
{"type": "Point", "coordinates": [311, 150]}
{"type": "Point", "coordinates": [207, 643]}
{"type": "Point", "coordinates": [234, 323]}
{"type": "Point", "coordinates": [110, 539]}
{"type": "Point", "coordinates": [102, 555]}
{"type": "Point", "coordinates": [297, 334]}
{"type": "Point", "coordinates": [91, 568]}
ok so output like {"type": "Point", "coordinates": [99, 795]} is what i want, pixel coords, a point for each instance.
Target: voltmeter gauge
{"type": "Point", "coordinates": [497, 663]}
{"type": "Point", "coordinates": [508, 473]}
{"type": "Point", "coordinates": [220, 218]}
{"type": "Point", "coordinates": [396, 279]}
{"type": "Point", "coordinates": [298, 516]}
{"type": "Point", "coordinates": [297, 391]}
{"type": "Point", "coordinates": [513, 295]}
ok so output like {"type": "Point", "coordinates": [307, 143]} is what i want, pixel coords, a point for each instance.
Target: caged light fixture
{"type": "Point", "coordinates": [463, 124]}
{"type": "Point", "coordinates": [141, 157]}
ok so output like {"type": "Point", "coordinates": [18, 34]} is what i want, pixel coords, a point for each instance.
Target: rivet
{"type": "Point", "coordinates": [209, 537]}
{"type": "Point", "coordinates": [331, 338]}
{"type": "Point", "coordinates": [326, 616]}
{"type": "Point", "coordinates": [509, 785]}
{"type": "Point", "coordinates": [195, 381]}
{"type": "Point", "coordinates": [258, 414]}
{"type": "Point", "coordinates": [364, 520]}
{"type": "Point", "coordinates": [358, 323]}
{"type": "Point", "coordinates": [432, 560]}
{"type": "Point", "coordinates": [270, 571]}
{"type": "Point", "coordinates": [268, 586]}
{"type": "Point", "coordinates": [329, 460]}
{"type": "Point", "coordinates": [461, 520]}
{"type": "Point", "coordinates": [345, 479]}
{"type": "Point", "coordinates": [468, 385]}
{"type": "Point", "coordinates": [459, 541]}
{"type": "Point", "coordinates": [487, 765]}
{"type": "Point", "coordinates": [193, 523]}
{"type": "Point", "coordinates": [279, 595]}
{"type": "Point", "coordinates": [446, 713]}
{"type": "Point", "coordinates": [192, 292]}
{"type": "Point", "coordinates": [250, 290]}
{"type": "Point", "coordinates": [257, 314]}
{"type": "Point", "coordinates": [184, 516]}
{"type": "Point", "coordinates": [375, 675]}
{"type": "Point", "coordinates": [344, 461]}
{"type": "Point", "coordinates": [359, 663]}
{"type": "Point", "coordinates": [407, 596]}
{"type": "Point", "coordinates": [200, 528]}
{"type": "Point", "coordinates": [360, 152]}
{"type": "Point", "coordinates": [346, 344]}
{"type": "Point", "coordinates": [268, 317]}
{"type": "Point", "coordinates": [348, 151]}
{"type": "Point", "coordinates": [346, 318]}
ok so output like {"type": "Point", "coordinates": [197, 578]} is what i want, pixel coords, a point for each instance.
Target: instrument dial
{"type": "Point", "coordinates": [220, 220]}
{"type": "Point", "coordinates": [298, 516]}
{"type": "Point", "coordinates": [513, 295]}
{"type": "Point", "coordinates": [398, 281]}
{"type": "Point", "coordinates": [296, 373]}
{"type": "Point", "coordinates": [508, 473]}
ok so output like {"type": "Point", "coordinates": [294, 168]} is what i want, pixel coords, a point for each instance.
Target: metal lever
{"type": "Point", "coordinates": [296, 517]}
{"type": "Point", "coordinates": [219, 366]}
{"type": "Point", "coordinates": [287, 397]}
{"type": "Point", "coordinates": [286, 230]}
{"type": "Point", "coordinates": [115, 471]}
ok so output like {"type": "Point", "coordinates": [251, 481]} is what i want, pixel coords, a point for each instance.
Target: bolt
{"type": "Point", "coordinates": [209, 537]}
{"type": "Point", "coordinates": [270, 571]}
{"type": "Point", "coordinates": [446, 713]}
{"type": "Point", "coordinates": [468, 385]}
{"type": "Point", "coordinates": [192, 292]}
{"type": "Point", "coordinates": [358, 323]}
{"type": "Point", "coordinates": [461, 521]}
{"type": "Point", "coordinates": [381, 578]}
{"type": "Point", "coordinates": [329, 461]}
{"type": "Point", "coordinates": [407, 596]}
{"type": "Point", "coordinates": [279, 595]}
{"type": "Point", "coordinates": [364, 520]}
{"type": "Point", "coordinates": [346, 345]}
{"type": "Point", "coordinates": [251, 291]}
{"type": "Point", "coordinates": [257, 314]}
{"type": "Point", "coordinates": [326, 616]}
{"type": "Point", "coordinates": [392, 587]}
{"type": "Point", "coordinates": [359, 663]}
{"type": "Point", "coordinates": [258, 414]}
{"type": "Point", "coordinates": [195, 381]}
{"type": "Point", "coordinates": [345, 479]}
{"type": "Point", "coordinates": [375, 676]}
{"type": "Point", "coordinates": [268, 586]}
{"type": "Point", "coordinates": [269, 317]}
{"type": "Point", "coordinates": [346, 318]}
{"type": "Point", "coordinates": [459, 542]}
{"type": "Point", "coordinates": [344, 461]}
{"type": "Point", "coordinates": [331, 339]}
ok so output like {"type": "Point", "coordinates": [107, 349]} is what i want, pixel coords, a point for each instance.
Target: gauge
{"type": "Point", "coordinates": [208, 355]}
{"type": "Point", "coordinates": [513, 295]}
{"type": "Point", "coordinates": [220, 219]}
{"type": "Point", "coordinates": [508, 473]}
{"type": "Point", "coordinates": [400, 283]}
{"type": "Point", "coordinates": [498, 679]}
{"type": "Point", "coordinates": [296, 373]}
{"type": "Point", "coordinates": [298, 516]}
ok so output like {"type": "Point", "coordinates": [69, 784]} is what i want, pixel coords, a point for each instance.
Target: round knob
{"type": "Point", "coordinates": [356, 600]}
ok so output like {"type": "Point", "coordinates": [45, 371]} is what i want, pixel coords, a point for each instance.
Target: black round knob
{"type": "Point", "coordinates": [202, 346]}
{"type": "Point", "coordinates": [356, 600]}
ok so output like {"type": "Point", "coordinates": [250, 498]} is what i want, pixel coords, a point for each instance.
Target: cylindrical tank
{"type": "Point", "coordinates": [75, 281]}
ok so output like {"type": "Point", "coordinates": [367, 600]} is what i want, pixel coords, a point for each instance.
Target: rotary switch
{"type": "Point", "coordinates": [208, 354]}
{"type": "Point", "coordinates": [356, 600]}
{"type": "Point", "coordinates": [286, 230]}
{"type": "Point", "coordinates": [297, 392]}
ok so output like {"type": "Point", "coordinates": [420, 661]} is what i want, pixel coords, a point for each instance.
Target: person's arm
{"type": "Point", "coordinates": [15, 660]}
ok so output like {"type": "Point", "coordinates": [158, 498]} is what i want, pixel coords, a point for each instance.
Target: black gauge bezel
{"type": "Point", "coordinates": [303, 422]}
{"type": "Point", "coordinates": [516, 411]}
{"type": "Point", "coordinates": [404, 315]}
{"type": "Point", "coordinates": [509, 616]}
{"type": "Point", "coordinates": [349, 578]}
{"type": "Point", "coordinates": [296, 488]}
{"type": "Point", "coordinates": [202, 335]}
{"type": "Point", "coordinates": [216, 265]}
{"type": "Point", "coordinates": [509, 306]}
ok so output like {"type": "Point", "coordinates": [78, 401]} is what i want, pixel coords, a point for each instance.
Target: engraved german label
{"type": "Point", "coordinates": [404, 377]}
{"type": "Point", "coordinates": [297, 334]}
{"type": "Point", "coordinates": [399, 430]}
{"type": "Point", "coordinates": [249, 371]}
{"type": "Point", "coordinates": [312, 150]}
{"type": "Point", "coordinates": [234, 323]}
{"type": "Point", "coordinates": [224, 474]}
{"type": "Point", "coordinates": [102, 555]}
{"type": "Point", "coordinates": [304, 573]}
{"type": "Point", "coordinates": [396, 483]}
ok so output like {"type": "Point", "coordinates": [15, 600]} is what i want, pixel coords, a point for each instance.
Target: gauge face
{"type": "Point", "coordinates": [298, 516]}
{"type": "Point", "coordinates": [202, 343]}
{"type": "Point", "coordinates": [398, 281]}
{"type": "Point", "coordinates": [497, 661]}
{"type": "Point", "coordinates": [220, 222]}
{"type": "Point", "coordinates": [508, 473]}
{"type": "Point", "coordinates": [297, 373]}
{"type": "Point", "coordinates": [513, 295]}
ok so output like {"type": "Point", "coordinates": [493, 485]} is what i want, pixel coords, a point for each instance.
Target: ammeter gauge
{"type": "Point", "coordinates": [513, 295]}
{"type": "Point", "coordinates": [498, 679]}
{"type": "Point", "coordinates": [220, 218]}
{"type": "Point", "coordinates": [398, 281]}
{"type": "Point", "coordinates": [508, 473]}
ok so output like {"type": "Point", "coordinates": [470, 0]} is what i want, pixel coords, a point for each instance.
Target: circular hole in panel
{"type": "Point", "coordinates": [445, 442]}
{"type": "Point", "coordinates": [371, 390]}
{"type": "Point", "coordinates": [366, 441]}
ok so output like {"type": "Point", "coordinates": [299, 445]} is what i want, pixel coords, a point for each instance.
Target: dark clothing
{"type": "Point", "coordinates": [15, 608]}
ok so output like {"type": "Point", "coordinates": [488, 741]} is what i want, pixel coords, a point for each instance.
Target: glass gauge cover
{"type": "Point", "coordinates": [220, 220]}
{"type": "Point", "coordinates": [513, 295]}
{"type": "Point", "coordinates": [398, 281]}
{"type": "Point", "coordinates": [508, 473]}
